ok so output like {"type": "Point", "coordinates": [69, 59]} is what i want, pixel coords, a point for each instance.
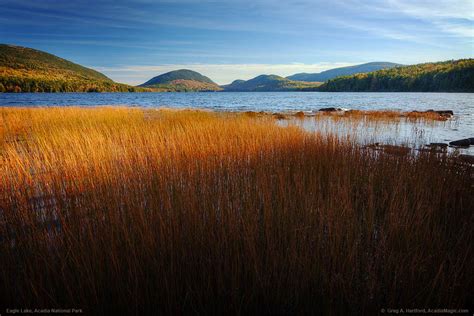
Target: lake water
{"type": "Point", "coordinates": [462, 104]}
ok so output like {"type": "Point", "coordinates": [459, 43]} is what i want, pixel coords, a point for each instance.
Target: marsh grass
{"type": "Point", "coordinates": [133, 211]}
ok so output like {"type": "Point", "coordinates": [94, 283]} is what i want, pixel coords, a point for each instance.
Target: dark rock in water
{"type": "Point", "coordinates": [432, 150]}
{"type": "Point", "coordinates": [462, 142]}
{"type": "Point", "coordinates": [445, 113]}
{"type": "Point", "coordinates": [374, 146]}
{"type": "Point", "coordinates": [467, 158]}
{"type": "Point", "coordinates": [396, 150]}
{"type": "Point", "coordinates": [330, 109]}
{"type": "Point", "coordinates": [437, 145]}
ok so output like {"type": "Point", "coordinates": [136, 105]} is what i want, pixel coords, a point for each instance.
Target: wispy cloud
{"type": "Point", "coordinates": [457, 28]}
{"type": "Point", "coordinates": [156, 46]}
{"type": "Point", "coordinates": [451, 17]}
{"type": "Point", "coordinates": [266, 35]}
{"type": "Point", "coordinates": [220, 73]}
{"type": "Point", "coordinates": [440, 9]}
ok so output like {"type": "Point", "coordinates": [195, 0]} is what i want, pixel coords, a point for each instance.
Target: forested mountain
{"type": "Point", "coordinates": [448, 76]}
{"type": "Point", "coordinates": [28, 70]}
{"type": "Point", "coordinates": [181, 80]}
{"type": "Point", "coordinates": [268, 83]}
{"type": "Point", "coordinates": [343, 71]}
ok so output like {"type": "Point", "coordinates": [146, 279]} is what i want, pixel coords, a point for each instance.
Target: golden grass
{"type": "Point", "coordinates": [176, 212]}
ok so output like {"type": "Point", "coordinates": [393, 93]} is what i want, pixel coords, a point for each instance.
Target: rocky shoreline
{"type": "Point", "coordinates": [437, 115]}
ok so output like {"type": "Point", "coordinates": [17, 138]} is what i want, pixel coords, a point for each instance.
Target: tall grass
{"type": "Point", "coordinates": [133, 211]}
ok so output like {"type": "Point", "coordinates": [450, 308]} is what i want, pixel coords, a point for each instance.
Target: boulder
{"type": "Point", "coordinates": [462, 142]}
{"type": "Point", "coordinates": [396, 150]}
{"type": "Point", "coordinates": [467, 158]}
{"type": "Point", "coordinates": [299, 114]}
{"type": "Point", "coordinates": [433, 150]}
{"type": "Point", "coordinates": [251, 113]}
{"type": "Point", "coordinates": [445, 113]}
{"type": "Point", "coordinates": [330, 110]}
{"type": "Point", "coordinates": [374, 146]}
{"type": "Point", "coordinates": [279, 116]}
{"type": "Point", "coordinates": [437, 145]}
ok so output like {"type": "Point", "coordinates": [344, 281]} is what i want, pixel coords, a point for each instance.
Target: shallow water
{"type": "Point", "coordinates": [461, 126]}
{"type": "Point", "coordinates": [404, 132]}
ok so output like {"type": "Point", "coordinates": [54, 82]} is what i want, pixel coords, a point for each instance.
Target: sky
{"type": "Point", "coordinates": [134, 40]}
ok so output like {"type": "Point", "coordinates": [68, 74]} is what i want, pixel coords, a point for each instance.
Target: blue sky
{"type": "Point", "coordinates": [131, 41]}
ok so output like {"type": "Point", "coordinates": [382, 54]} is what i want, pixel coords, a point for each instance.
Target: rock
{"type": "Point", "coordinates": [279, 116]}
{"type": "Point", "coordinates": [433, 150]}
{"type": "Point", "coordinates": [437, 145]}
{"type": "Point", "coordinates": [462, 142]}
{"type": "Point", "coordinates": [445, 113]}
{"type": "Point", "coordinates": [467, 158]}
{"type": "Point", "coordinates": [299, 114]}
{"type": "Point", "coordinates": [374, 145]}
{"type": "Point", "coordinates": [330, 110]}
{"type": "Point", "coordinates": [396, 150]}
{"type": "Point", "coordinates": [251, 113]}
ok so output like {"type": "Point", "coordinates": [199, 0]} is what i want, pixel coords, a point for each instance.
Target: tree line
{"type": "Point", "coordinates": [17, 84]}
{"type": "Point", "coordinates": [449, 76]}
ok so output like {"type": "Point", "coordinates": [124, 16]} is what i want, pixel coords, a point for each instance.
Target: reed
{"type": "Point", "coordinates": [176, 212]}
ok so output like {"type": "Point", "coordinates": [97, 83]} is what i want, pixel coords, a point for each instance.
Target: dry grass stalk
{"type": "Point", "coordinates": [176, 212]}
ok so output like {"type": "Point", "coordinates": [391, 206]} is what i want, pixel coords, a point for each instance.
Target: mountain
{"type": "Point", "coordinates": [29, 70]}
{"type": "Point", "coordinates": [447, 76]}
{"type": "Point", "coordinates": [181, 80]}
{"type": "Point", "coordinates": [343, 71]}
{"type": "Point", "coordinates": [268, 83]}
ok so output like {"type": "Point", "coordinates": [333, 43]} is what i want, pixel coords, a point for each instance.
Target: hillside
{"type": "Point", "coordinates": [181, 81]}
{"type": "Point", "coordinates": [28, 70]}
{"type": "Point", "coordinates": [268, 83]}
{"type": "Point", "coordinates": [343, 71]}
{"type": "Point", "coordinates": [448, 76]}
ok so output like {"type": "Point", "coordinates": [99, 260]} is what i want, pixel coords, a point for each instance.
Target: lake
{"type": "Point", "coordinates": [462, 126]}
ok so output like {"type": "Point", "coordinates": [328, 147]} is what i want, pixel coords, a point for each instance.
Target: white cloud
{"type": "Point", "coordinates": [220, 73]}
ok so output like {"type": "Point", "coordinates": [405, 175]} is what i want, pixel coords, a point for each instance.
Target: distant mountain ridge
{"type": "Point", "coordinates": [28, 70]}
{"type": "Point", "coordinates": [181, 80]}
{"type": "Point", "coordinates": [264, 83]}
{"type": "Point", "coordinates": [447, 76]}
{"type": "Point", "coordinates": [25, 69]}
{"type": "Point", "coordinates": [342, 71]}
